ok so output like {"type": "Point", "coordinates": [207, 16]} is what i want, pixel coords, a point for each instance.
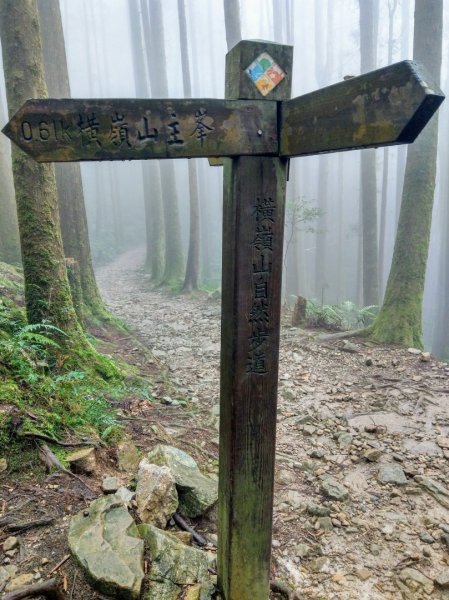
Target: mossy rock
{"type": "Point", "coordinates": [105, 542]}
{"type": "Point", "coordinates": [197, 492]}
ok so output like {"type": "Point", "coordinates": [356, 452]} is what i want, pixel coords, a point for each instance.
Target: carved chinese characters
{"type": "Point", "coordinates": [259, 316]}
{"type": "Point", "coordinates": [64, 130]}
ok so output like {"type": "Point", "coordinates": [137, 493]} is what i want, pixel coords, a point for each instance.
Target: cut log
{"type": "Point", "coordinates": [82, 461]}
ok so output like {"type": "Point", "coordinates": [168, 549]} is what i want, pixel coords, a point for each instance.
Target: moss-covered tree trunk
{"type": "Point", "coordinates": [47, 291]}
{"type": "Point", "coordinates": [75, 235]}
{"type": "Point", "coordinates": [9, 231]}
{"type": "Point", "coordinates": [400, 318]}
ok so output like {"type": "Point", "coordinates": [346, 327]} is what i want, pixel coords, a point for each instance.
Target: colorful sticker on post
{"type": "Point", "coordinates": [265, 73]}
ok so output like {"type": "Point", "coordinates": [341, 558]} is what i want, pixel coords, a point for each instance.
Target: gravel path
{"type": "Point", "coordinates": [362, 498]}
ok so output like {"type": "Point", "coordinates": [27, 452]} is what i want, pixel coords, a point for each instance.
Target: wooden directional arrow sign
{"type": "Point", "coordinates": [388, 106]}
{"type": "Point", "coordinates": [74, 130]}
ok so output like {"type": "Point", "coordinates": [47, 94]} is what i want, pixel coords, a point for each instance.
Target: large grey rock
{"type": "Point", "coordinates": [106, 543]}
{"type": "Point", "coordinates": [333, 489]}
{"type": "Point", "coordinates": [173, 560]}
{"type": "Point", "coordinates": [197, 493]}
{"type": "Point", "coordinates": [391, 473]}
{"type": "Point", "coordinates": [163, 590]}
{"type": "Point", "coordinates": [156, 495]}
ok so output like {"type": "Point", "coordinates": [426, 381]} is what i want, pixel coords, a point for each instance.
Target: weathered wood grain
{"type": "Point", "coordinates": [253, 224]}
{"type": "Point", "coordinates": [77, 130]}
{"type": "Point", "coordinates": [388, 106]}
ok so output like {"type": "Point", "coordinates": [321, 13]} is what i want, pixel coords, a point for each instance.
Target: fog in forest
{"type": "Point", "coordinates": [117, 48]}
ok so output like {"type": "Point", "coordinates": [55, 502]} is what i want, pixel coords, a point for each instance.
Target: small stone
{"type": "Point", "coordinates": [443, 442]}
{"type": "Point", "coordinates": [344, 440]}
{"type": "Point", "coordinates": [333, 489]}
{"type": "Point", "coordinates": [426, 538]}
{"type": "Point", "coordinates": [128, 456]}
{"type": "Point", "coordinates": [369, 362]}
{"type": "Point", "coordinates": [156, 495]}
{"type": "Point", "coordinates": [372, 454]}
{"type": "Point", "coordinates": [325, 523]}
{"type": "Point", "coordinates": [318, 453]}
{"type": "Point", "coordinates": [363, 574]}
{"type": "Point", "coordinates": [391, 473]}
{"type": "Point", "coordinates": [126, 495]}
{"type": "Point", "coordinates": [416, 577]}
{"type": "Point", "coordinates": [309, 430]}
{"type": "Point", "coordinates": [11, 553]}
{"type": "Point", "coordinates": [20, 581]}
{"type": "Point", "coordinates": [318, 510]}
{"type": "Point", "coordinates": [319, 564]}
{"type": "Point", "coordinates": [10, 543]}
{"type": "Point", "coordinates": [414, 351]}
{"type": "Point", "coordinates": [375, 549]}
{"type": "Point", "coordinates": [44, 561]}
{"type": "Point", "coordinates": [442, 580]}
{"type": "Point", "coordinates": [198, 493]}
{"type": "Point", "coordinates": [425, 357]}
{"type": "Point", "coordinates": [302, 550]}
{"type": "Point", "coordinates": [293, 498]}
{"type": "Point", "coordinates": [110, 485]}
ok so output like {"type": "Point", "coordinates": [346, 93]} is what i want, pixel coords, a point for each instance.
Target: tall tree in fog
{"type": "Point", "coordinates": [400, 318]}
{"type": "Point", "coordinates": [154, 262]}
{"type": "Point", "coordinates": [9, 232]}
{"type": "Point", "coordinates": [392, 6]}
{"type": "Point", "coordinates": [157, 68]}
{"type": "Point", "coordinates": [441, 326]}
{"type": "Point", "coordinates": [47, 292]}
{"type": "Point", "coordinates": [75, 235]}
{"type": "Point", "coordinates": [324, 52]}
{"type": "Point", "coordinates": [193, 257]}
{"type": "Point", "coordinates": [232, 22]}
{"type": "Point", "coordinates": [368, 42]}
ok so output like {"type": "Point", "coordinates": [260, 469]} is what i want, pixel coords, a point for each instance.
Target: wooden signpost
{"type": "Point", "coordinates": [259, 129]}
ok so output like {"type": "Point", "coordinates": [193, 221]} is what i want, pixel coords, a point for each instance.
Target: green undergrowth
{"type": "Point", "coordinates": [55, 393]}
{"type": "Point", "coordinates": [339, 317]}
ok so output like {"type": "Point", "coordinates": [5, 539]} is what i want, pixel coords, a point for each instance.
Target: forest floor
{"type": "Point", "coordinates": [356, 416]}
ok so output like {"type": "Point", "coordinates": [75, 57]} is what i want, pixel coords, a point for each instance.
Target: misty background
{"type": "Point", "coordinates": [324, 258]}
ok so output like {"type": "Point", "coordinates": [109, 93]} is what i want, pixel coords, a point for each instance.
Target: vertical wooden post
{"type": "Point", "coordinates": [253, 225]}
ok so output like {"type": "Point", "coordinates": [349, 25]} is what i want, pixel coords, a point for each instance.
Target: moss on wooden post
{"type": "Point", "coordinates": [253, 226]}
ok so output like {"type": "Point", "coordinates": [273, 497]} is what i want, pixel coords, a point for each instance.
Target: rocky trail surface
{"type": "Point", "coordinates": [362, 486]}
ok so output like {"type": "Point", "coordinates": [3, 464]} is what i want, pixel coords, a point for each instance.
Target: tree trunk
{"type": "Point", "coordinates": [193, 257]}
{"type": "Point", "coordinates": [9, 231]}
{"type": "Point", "coordinates": [75, 235]}
{"type": "Point", "coordinates": [154, 261]}
{"type": "Point", "coordinates": [47, 291]}
{"type": "Point", "coordinates": [392, 6]}
{"type": "Point", "coordinates": [368, 165]}
{"type": "Point", "coordinates": [232, 22]}
{"type": "Point", "coordinates": [400, 319]}
{"type": "Point", "coordinates": [157, 66]}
